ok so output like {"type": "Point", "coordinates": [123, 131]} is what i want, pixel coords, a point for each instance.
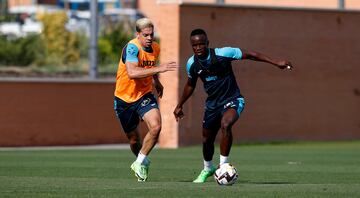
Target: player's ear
{"type": "Point", "coordinates": [137, 35]}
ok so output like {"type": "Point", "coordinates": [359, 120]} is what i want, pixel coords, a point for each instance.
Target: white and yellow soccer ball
{"type": "Point", "coordinates": [226, 175]}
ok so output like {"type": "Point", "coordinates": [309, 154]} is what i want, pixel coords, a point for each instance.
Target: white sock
{"type": "Point", "coordinates": [208, 165]}
{"type": "Point", "coordinates": [141, 158]}
{"type": "Point", "coordinates": [224, 159]}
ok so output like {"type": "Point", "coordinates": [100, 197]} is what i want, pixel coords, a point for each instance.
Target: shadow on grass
{"type": "Point", "coordinates": [186, 181]}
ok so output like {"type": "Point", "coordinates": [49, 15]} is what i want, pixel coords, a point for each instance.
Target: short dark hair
{"type": "Point", "coordinates": [198, 32]}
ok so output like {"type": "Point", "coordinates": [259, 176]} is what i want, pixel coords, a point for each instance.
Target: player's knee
{"type": "Point", "coordinates": [155, 130]}
{"type": "Point", "coordinates": [134, 141]}
{"type": "Point", "coordinates": [208, 140]}
{"type": "Point", "coordinates": [226, 125]}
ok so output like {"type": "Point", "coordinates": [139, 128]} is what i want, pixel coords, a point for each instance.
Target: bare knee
{"type": "Point", "coordinates": [134, 140]}
{"type": "Point", "coordinates": [227, 121]}
{"type": "Point", "coordinates": [155, 130]}
{"type": "Point", "coordinates": [226, 126]}
{"type": "Point", "coordinates": [209, 139]}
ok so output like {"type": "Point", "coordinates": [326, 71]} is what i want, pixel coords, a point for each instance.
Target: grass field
{"type": "Point", "coordinates": [271, 170]}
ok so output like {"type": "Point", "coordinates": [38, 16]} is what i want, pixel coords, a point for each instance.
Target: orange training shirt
{"type": "Point", "coordinates": [130, 90]}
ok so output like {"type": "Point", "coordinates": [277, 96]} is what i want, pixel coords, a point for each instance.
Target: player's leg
{"type": "Point", "coordinates": [230, 116]}
{"type": "Point", "coordinates": [211, 125]}
{"type": "Point", "coordinates": [140, 166]}
{"type": "Point", "coordinates": [134, 141]}
{"type": "Point", "coordinates": [153, 121]}
{"type": "Point", "coordinates": [129, 119]}
{"type": "Point", "coordinates": [208, 149]}
{"type": "Point", "coordinates": [148, 110]}
{"type": "Point", "coordinates": [208, 143]}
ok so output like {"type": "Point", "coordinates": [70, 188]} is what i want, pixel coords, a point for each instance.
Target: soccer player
{"type": "Point", "coordinates": [224, 103]}
{"type": "Point", "coordinates": [137, 71]}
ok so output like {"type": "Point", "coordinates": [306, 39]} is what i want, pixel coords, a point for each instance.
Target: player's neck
{"type": "Point", "coordinates": [205, 56]}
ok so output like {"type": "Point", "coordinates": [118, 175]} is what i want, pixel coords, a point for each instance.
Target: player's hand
{"type": "Point", "coordinates": [285, 65]}
{"type": "Point", "coordinates": [178, 113]}
{"type": "Point", "coordinates": [170, 66]}
{"type": "Point", "coordinates": [159, 89]}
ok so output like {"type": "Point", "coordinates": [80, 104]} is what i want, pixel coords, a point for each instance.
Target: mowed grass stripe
{"type": "Point", "coordinates": [271, 170]}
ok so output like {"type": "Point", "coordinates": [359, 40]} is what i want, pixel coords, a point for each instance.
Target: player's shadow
{"type": "Point", "coordinates": [187, 180]}
{"type": "Point", "coordinates": [248, 182]}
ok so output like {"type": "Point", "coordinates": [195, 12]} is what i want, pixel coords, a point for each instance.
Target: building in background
{"type": "Point", "coordinates": [85, 4]}
{"type": "Point", "coordinates": [105, 4]}
{"type": "Point", "coordinates": [24, 14]}
{"type": "Point", "coordinates": [73, 4]}
{"type": "Point", "coordinates": [12, 3]}
{"type": "Point", "coordinates": [318, 4]}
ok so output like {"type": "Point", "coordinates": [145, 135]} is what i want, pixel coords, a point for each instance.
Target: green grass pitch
{"type": "Point", "coordinates": [309, 169]}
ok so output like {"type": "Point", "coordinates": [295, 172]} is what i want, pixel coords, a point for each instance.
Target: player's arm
{"type": "Point", "coordinates": [256, 56]}
{"type": "Point", "coordinates": [187, 92]}
{"type": "Point", "coordinates": [158, 86]}
{"type": "Point", "coordinates": [134, 71]}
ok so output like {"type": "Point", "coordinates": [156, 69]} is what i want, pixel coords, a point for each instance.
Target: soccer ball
{"type": "Point", "coordinates": [226, 175]}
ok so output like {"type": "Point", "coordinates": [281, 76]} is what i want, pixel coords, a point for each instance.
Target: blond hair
{"type": "Point", "coordinates": [143, 23]}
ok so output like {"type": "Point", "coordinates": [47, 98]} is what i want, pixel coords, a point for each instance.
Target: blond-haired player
{"type": "Point", "coordinates": [137, 71]}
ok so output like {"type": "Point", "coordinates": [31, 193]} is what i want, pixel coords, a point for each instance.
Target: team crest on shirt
{"type": "Point", "coordinates": [210, 78]}
{"type": "Point", "coordinates": [145, 102]}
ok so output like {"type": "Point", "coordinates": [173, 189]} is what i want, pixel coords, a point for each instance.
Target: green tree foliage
{"type": "Point", "coordinates": [61, 44]}
{"type": "Point", "coordinates": [117, 38]}
{"type": "Point", "coordinates": [105, 51]}
{"type": "Point", "coordinates": [21, 51]}
{"type": "Point", "coordinates": [57, 46]}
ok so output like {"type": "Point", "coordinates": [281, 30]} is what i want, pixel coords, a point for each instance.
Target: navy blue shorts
{"type": "Point", "coordinates": [130, 114]}
{"type": "Point", "coordinates": [212, 118]}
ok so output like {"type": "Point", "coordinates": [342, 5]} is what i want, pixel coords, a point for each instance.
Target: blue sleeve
{"type": "Point", "coordinates": [131, 53]}
{"type": "Point", "coordinates": [188, 67]}
{"type": "Point", "coordinates": [229, 52]}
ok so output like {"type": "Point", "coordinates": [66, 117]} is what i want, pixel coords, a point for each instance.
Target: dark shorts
{"type": "Point", "coordinates": [212, 118]}
{"type": "Point", "coordinates": [130, 114]}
